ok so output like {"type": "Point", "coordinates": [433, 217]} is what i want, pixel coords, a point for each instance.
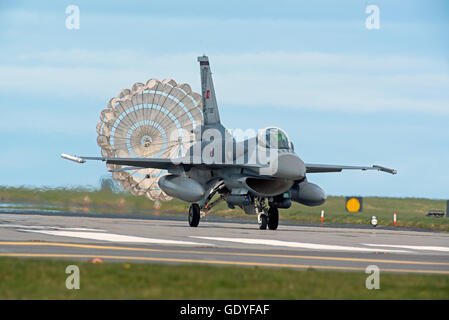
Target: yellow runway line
{"type": "Point", "coordinates": [223, 262]}
{"type": "Point", "coordinates": [88, 246]}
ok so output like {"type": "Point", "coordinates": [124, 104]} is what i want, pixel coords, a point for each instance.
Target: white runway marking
{"type": "Point", "coordinates": [19, 226]}
{"type": "Point", "coordinates": [312, 246]}
{"type": "Point", "coordinates": [114, 237]}
{"type": "Point", "coordinates": [425, 248]}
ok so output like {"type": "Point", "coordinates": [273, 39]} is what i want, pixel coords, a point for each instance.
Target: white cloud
{"type": "Point", "coordinates": [296, 79]}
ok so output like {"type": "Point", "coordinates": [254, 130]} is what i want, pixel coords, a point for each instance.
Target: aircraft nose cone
{"type": "Point", "coordinates": [288, 166]}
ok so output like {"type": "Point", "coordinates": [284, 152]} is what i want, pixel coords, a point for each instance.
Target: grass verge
{"type": "Point", "coordinates": [45, 279]}
{"type": "Point", "coordinates": [411, 212]}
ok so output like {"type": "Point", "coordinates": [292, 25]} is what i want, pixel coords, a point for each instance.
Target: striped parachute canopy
{"type": "Point", "coordinates": [152, 120]}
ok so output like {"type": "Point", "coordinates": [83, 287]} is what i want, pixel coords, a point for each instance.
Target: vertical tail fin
{"type": "Point", "coordinates": [210, 107]}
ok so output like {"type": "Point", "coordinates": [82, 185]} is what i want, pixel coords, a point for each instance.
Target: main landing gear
{"type": "Point", "coordinates": [263, 220]}
{"type": "Point", "coordinates": [267, 216]}
{"type": "Point", "coordinates": [270, 219]}
{"type": "Point", "coordinates": [273, 218]}
{"type": "Point", "coordinates": [194, 215]}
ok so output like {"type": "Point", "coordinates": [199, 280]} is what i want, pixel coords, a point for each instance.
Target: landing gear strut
{"type": "Point", "coordinates": [194, 215]}
{"type": "Point", "coordinates": [196, 212]}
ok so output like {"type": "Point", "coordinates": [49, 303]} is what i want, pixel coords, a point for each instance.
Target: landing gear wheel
{"type": "Point", "coordinates": [273, 218]}
{"type": "Point", "coordinates": [262, 221]}
{"type": "Point", "coordinates": [194, 215]}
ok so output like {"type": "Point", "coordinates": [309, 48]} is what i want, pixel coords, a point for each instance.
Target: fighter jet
{"type": "Point", "coordinates": [260, 174]}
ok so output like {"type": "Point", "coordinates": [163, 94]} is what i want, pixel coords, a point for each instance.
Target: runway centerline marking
{"type": "Point", "coordinates": [249, 254]}
{"type": "Point", "coordinates": [223, 262]}
{"type": "Point", "coordinates": [303, 245]}
{"type": "Point", "coordinates": [19, 226]}
{"type": "Point", "coordinates": [424, 248]}
{"type": "Point", "coordinates": [114, 237]}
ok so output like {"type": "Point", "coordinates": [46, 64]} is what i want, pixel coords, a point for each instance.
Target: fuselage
{"type": "Point", "coordinates": [244, 173]}
{"type": "Point", "coordinates": [270, 168]}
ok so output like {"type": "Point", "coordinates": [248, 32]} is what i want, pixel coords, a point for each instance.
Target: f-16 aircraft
{"type": "Point", "coordinates": [260, 174]}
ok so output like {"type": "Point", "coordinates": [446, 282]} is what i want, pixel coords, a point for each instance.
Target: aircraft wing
{"type": "Point", "coordinates": [156, 163]}
{"type": "Point", "coordinates": [316, 168]}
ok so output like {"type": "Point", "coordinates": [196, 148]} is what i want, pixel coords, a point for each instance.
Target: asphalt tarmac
{"type": "Point", "coordinates": [171, 240]}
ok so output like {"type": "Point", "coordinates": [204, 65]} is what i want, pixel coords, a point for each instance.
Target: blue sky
{"type": "Point", "coordinates": [343, 93]}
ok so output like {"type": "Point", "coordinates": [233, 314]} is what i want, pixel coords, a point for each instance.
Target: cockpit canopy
{"type": "Point", "coordinates": [274, 138]}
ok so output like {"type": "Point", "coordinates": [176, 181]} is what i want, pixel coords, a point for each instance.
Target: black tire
{"type": "Point", "coordinates": [273, 218]}
{"type": "Point", "coordinates": [194, 215]}
{"type": "Point", "coordinates": [263, 222]}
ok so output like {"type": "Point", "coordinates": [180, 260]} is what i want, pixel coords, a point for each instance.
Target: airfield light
{"type": "Point", "coordinates": [374, 221]}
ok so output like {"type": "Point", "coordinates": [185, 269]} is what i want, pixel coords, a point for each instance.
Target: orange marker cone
{"type": "Point", "coordinates": [96, 260]}
{"type": "Point", "coordinates": [394, 219]}
{"type": "Point", "coordinates": [322, 216]}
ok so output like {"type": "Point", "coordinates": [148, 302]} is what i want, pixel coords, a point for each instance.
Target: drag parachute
{"type": "Point", "coordinates": [152, 120]}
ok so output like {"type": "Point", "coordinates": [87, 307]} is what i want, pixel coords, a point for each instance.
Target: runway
{"type": "Point", "coordinates": [132, 240]}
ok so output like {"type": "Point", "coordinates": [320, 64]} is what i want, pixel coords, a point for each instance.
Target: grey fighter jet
{"type": "Point", "coordinates": [261, 174]}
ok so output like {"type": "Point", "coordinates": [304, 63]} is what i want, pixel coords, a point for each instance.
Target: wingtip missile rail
{"type": "Point", "coordinates": [384, 169]}
{"type": "Point", "coordinates": [72, 158]}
